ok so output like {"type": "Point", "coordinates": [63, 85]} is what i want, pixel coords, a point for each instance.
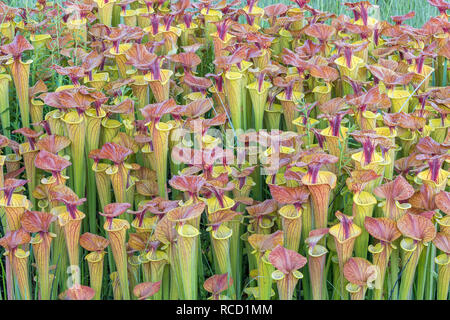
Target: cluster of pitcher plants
{"type": "Point", "coordinates": [156, 149]}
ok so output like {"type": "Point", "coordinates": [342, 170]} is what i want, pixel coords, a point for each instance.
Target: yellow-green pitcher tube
{"type": "Point", "coordinates": [13, 163]}
{"type": "Point", "coordinates": [440, 65]}
{"type": "Point", "coordinates": [117, 237]}
{"type": "Point", "coordinates": [286, 283]}
{"type": "Point", "coordinates": [236, 252]}
{"type": "Point", "coordinates": [130, 193]}
{"type": "Point", "coordinates": [257, 13]}
{"type": "Point", "coordinates": [246, 101]}
{"type": "Point", "coordinates": [439, 130]}
{"type": "Point", "coordinates": [399, 99]}
{"type": "Point", "coordinates": [289, 106]}
{"type": "Point", "coordinates": [39, 42]}
{"type": "Point", "coordinates": [407, 140]}
{"type": "Point", "coordinates": [263, 226]}
{"type": "Point", "coordinates": [76, 130]}
{"type": "Point", "coordinates": [356, 292]}
{"type": "Point", "coordinates": [36, 113]}
{"type": "Point", "coordinates": [160, 88]}
{"type": "Point", "coordinates": [170, 38]}
{"type": "Point", "coordinates": [78, 29]}
{"type": "Point", "coordinates": [392, 153]}
{"type": "Point", "coordinates": [233, 89]}
{"type": "Point", "coordinates": [160, 135]}
{"type": "Point", "coordinates": [105, 11]}
{"type": "Point", "coordinates": [158, 261]}
{"type": "Point", "coordinates": [175, 137]}
{"type": "Point", "coordinates": [116, 15]}
{"type": "Point", "coordinates": [394, 269]}
{"type": "Point", "coordinates": [220, 44]}
{"type": "Point", "coordinates": [258, 98]}
{"type": "Point", "coordinates": [59, 256]}
{"type": "Point", "coordinates": [317, 256]}
{"type": "Point", "coordinates": [435, 186]}
{"type": "Point", "coordinates": [411, 251]}
{"type": "Point", "coordinates": [285, 39]}
{"type": "Point", "coordinates": [334, 142]}
{"type": "Point", "coordinates": [187, 34]}
{"type": "Point", "coordinates": [381, 253]}
{"type": "Point", "coordinates": [143, 21]}
{"type": "Point", "coordinates": [72, 231]}
{"type": "Point", "coordinates": [248, 249]}
{"type": "Point", "coordinates": [173, 289]}
{"type": "Point", "coordinates": [336, 277]}
{"type": "Point", "coordinates": [41, 250]}
{"type": "Point", "coordinates": [141, 92]}
{"type": "Point", "coordinates": [258, 182]}
{"type": "Point", "coordinates": [7, 29]}
{"type": "Point", "coordinates": [4, 104]}
{"type": "Point", "coordinates": [19, 264]}
{"type": "Point", "coordinates": [146, 269]}
{"type": "Point", "coordinates": [305, 130]}
{"type": "Point", "coordinates": [243, 192]}
{"type": "Point", "coordinates": [20, 72]}
{"type": "Point", "coordinates": [320, 196]}
{"type": "Point", "coordinates": [95, 264]}
{"type": "Point", "coordinates": [103, 183]}
{"type": "Point", "coordinates": [15, 210]}
{"type": "Point", "coordinates": [211, 15]}
{"type": "Point", "coordinates": [2, 183]}
{"type": "Point", "coordinates": [134, 268]}
{"type": "Point", "coordinates": [99, 80]}
{"type": "Point", "coordinates": [93, 128]}
{"type": "Point", "coordinates": [307, 222]}
{"type": "Point", "coordinates": [352, 72]}
{"type": "Point", "coordinates": [28, 159]}
{"type": "Point", "coordinates": [166, 283]}
{"type": "Point", "coordinates": [176, 283]}
{"type": "Point", "coordinates": [377, 164]}
{"type": "Point", "coordinates": [291, 221]}
{"type": "Point", "coordinates": [272, 116]}
{"type": "Point", "coordinates": [110, 128]}
{"type": "Point", "coordinates": [265, 269]}
{"type": "Point", "coordinates": [121, 59]}
{"type": "Point", "coordinates": [423, 78]}
{"type": "Point", "coordinates": [220, 239]}
{"type": "Point", "coordinates": [262, 60]}
{"type": "Point", "coordinates": [275, 47]}
{"type": "Point", "coordinates": [54, 121]}
{"type": "Point", "coordinates": [9, 279]}
{"type": "Point", "coordinates": [363, 205]}
{"type": "Point", "coordinates": [322, 93]}
{"type": "Point", "coordinates": [422, 272]}
{"type": "Point", "coordinates": [148, 157]}
{"type": "Point", "coordinates": [188, 255]}
{"type": "Point", "coordinates": [118, 174]}
{"type": "Point", "coordinates": [443, 262]}
{"type": "Point", "coordinates": [344, 250]}
{"type": "Point", "coordinates": [129, 18]}
{"type": "Point", "coordinates": [393, 209]}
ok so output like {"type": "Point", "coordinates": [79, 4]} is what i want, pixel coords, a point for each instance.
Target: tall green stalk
{"type": "Point", "coordinates": [410, 257]}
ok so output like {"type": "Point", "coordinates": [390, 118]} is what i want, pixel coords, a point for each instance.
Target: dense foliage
{"type": "Point", "coordinates": [190, 150]}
